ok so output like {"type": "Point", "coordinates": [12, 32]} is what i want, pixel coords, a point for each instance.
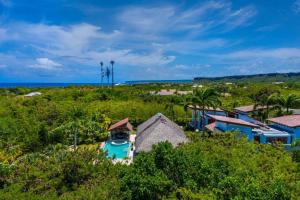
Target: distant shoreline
{"type": "Point", "coordinates": [262, 77]}
{"type": "Point", "coordinates": [45, 85]}
{"type": "Point", "coordinates": [49, 85]}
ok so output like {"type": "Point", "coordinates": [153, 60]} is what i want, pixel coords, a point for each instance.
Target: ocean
{"type": "Point", "coordinates": [45, 85]}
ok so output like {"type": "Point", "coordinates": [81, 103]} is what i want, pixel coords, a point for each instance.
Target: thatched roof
{"type": "Point", "coordinates": [158, 129]}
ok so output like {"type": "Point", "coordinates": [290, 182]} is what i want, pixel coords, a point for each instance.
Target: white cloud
{"type": "Point", "coordinates": [46, 64]}
{"type": "Point", "coordinates": [127, 57]}
{"type": "Point", "coordinates": [85, 44]}
{"type": "Point", "coordinates": [267, 28]}
{"type": "Point", "coordinates": [3, 66]}
{"type": "Point", "coordinates": [64, 41]}
{"type": "Point", "coordinates": [279, 53]}
{"type": "Point", "coordinates": [144, 42]}
{"type": "Point", "coordinates": [296, 6]}
{"type": "Point", "coordinates": [253, 61]}
{"type": "Point", "coordinates": [2, 34]}
{"type": "Point", "coordinates": [6, 3]}
{"type": "Point", "coordinates": [172, 19]}
{"type": "Point", "coordinates": [148, 39]}
{"type": "Point", "coordinates": [191, 46]}
{"type": "Point", "coordinates": [239, 17]}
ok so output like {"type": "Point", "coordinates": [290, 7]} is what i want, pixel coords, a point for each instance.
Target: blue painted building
{"type": "Point", "coordinates": [254, 132]}
{"type": "Point", "coordinates": [271, 135]}
{"type": "Point", "coordinates": [224, 124]}
{"type": "Point", "coordinates": [289, 124]}
{"type": "Point", "coordinates": [244, 113]}
{"type": "Point", "coordinates": [197, 117]}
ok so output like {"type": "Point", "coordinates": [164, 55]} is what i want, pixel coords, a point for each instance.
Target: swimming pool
{"type": "Point", "coordinates": [117, 149]}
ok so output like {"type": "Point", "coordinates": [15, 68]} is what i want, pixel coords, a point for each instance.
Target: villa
{"type": "Point", "coordinates": [158, 129]}
{"type": "Point", "coordinates": [262, 134]}
{"type": "Point", "coordinates": [289, 124]}
{"type": "Point", "coordinates": [284, 129]}
{"type": "Point", "coordinates": [244, 113]}
{"type": "Point", "coordinates": [120, 130]}
{"type": "Point", "coordinates": [265, 135]}
{"type": "Point", "coordinates": [197, 115]}
{"type": "Point", "coordinates": [119, 144]}
{"type": "Point", "coordinates": [224, 124]}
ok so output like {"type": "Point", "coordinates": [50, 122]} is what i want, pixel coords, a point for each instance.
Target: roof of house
{"type": "Point", "coordinates": [206, 108]}
{"type": "Point", "coordinates": [165, 92]}
{"type": "Point", "coordinates": [125, 122]}
{"type": "Point", "coordinates": [158, 129]}
{"type": "Point", "coordinates": [211, 127]}
{"type": "Point", "coordinates": [232, 121]}
{"type": "Point", "coordinates": [287, 120]}
{"type": "Point", "coordinates": [271, 132]}
{"type": "Point", "coordinates": [31, 94]}
{"type": "Point", "coordinates": [249, 108]}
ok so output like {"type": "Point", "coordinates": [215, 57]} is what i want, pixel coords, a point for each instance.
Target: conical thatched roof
{"type": "Point", "coordinates": [158, 129]}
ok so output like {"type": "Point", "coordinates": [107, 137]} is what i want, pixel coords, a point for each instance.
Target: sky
{"type": "Point", "coordinates": [65, 40]}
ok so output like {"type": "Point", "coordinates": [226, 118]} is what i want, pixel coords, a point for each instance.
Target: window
{"type": "Point", "coordinates": [283, 140]}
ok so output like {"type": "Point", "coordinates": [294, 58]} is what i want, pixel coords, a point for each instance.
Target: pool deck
{"type": "Point", "coordinates": [130, 155]}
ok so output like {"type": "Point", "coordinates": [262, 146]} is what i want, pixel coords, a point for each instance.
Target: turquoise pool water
{"type": "Point", "coordinates": [117, 149]}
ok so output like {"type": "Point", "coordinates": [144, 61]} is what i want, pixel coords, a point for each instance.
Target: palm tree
{"type": "Point", "coordinates": [107, 73]}
{"type": "Point", "coordinates": [186, 101]}
{"type": "Point", "coordinates": [170, 108]}
{"type": "Point", "coordinates": [112, 73]}
{"type": "Point", "coordinates": [102, 73]}
{"type": "Point", "coordinates": [76, 115]}
{"type": "Point", "coordinates": [288, 102]}
{"type": "Point", "coordinates": [267, 102]}
{"type": "Point", "coordinates": [205, 98]}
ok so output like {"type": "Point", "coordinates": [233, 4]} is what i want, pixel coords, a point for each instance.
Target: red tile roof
{"type": "Point", "coordinates": [121, 123]}
{"type": "Point", "coordinates": [249, 108]}
{"type": "Point", "coordinates": [288, 120]}
{"type": "Point", "coordinates": [233, 121]}
{"type": "Point", "coordinates": [211, 127]}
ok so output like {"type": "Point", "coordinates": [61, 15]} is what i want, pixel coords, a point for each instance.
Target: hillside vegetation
{"type": "Point", "coordinates": [37, 161]}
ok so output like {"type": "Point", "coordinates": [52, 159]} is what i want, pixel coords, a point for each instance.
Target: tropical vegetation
{"type": "Point", "coordinates": [38, 159]}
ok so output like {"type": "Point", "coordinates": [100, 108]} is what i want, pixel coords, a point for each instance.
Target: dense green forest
{"type": "Point", "coordinates": [37, 162]}
{"type": "Point", "coordinates": [271, 77]}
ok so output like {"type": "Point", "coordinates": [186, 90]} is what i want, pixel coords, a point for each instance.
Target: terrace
{"type": "Point", "coordinates": [285, 129]}
{"type": "Point", "coordinates": [197, 118]}
{"type": "Point", "coordinates": [287, 123]}
{"type": "Point", "coordinates": [119, 146]}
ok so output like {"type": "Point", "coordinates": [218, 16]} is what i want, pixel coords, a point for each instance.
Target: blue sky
{"type": "Point", "coordinates": [64, 40]}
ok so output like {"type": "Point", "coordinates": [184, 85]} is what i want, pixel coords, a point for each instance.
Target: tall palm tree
{"type": "Point", "coordinates": [267, 102]}
{"type": "Point", "coordinates": [186, 101]}
{"type": "Point", "coordinates": [205, 98]}
{"type": "Point", "coordinates": [102, 73]}
{"type": "Point", "coordinates": [76, 115]}
{"type": "Point", "coordinates": [112, 72]}
{"type": "Point", "coordinates": [170, 108]}
{"type": "Point", "coordinates": [107, 73]}
{"type": "Point", "coordinates": [288, 102]}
